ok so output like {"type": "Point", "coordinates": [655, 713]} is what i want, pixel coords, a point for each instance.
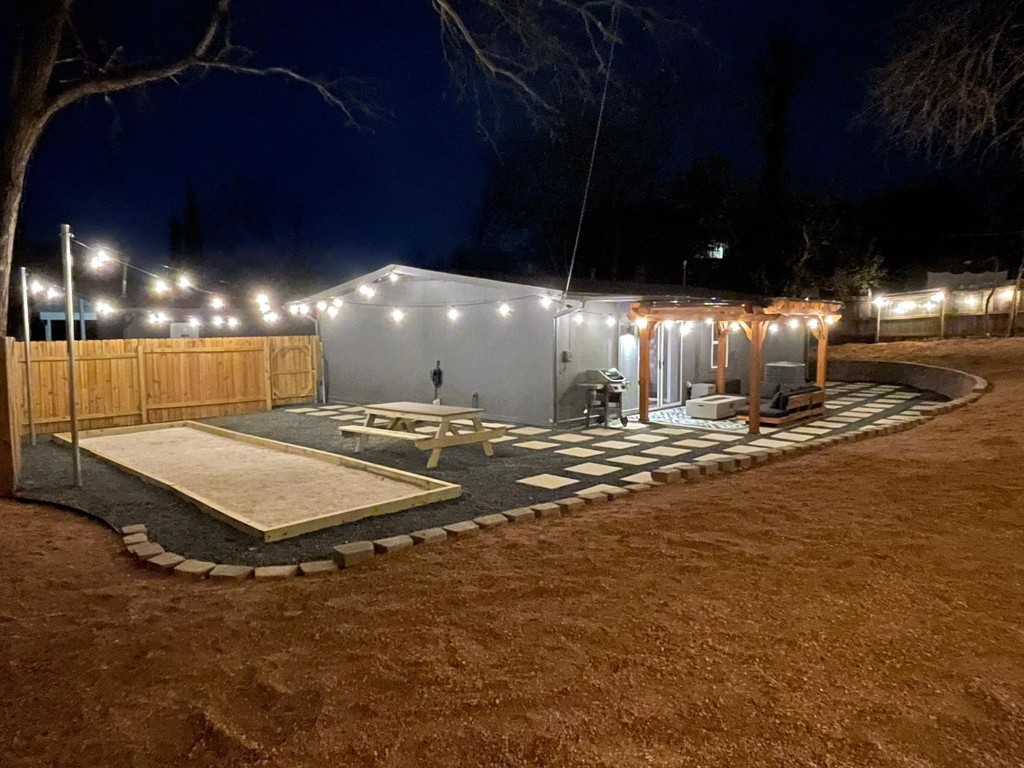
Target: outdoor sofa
{"type": "Point", "coordinates": [783, 404]}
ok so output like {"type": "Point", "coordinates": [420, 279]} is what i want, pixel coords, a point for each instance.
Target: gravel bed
{"type": "Point", "coordinates": [488, 485]}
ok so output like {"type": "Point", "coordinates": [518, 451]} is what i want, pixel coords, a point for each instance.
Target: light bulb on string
{"type": "Point", "coordinates": [217, 302]}
{"type": "Point", "coordinates": [397, 315]}
{"type": "Point", "coordinates": [303, 309]}
{"type": "Point", "coordinates": [578, 318]}
{"type": "Point", "coordinates": [367, 291]}
{"type": "Point", "coordinates": [610, 321]}
{"type": "Point", "coordinates": [393, 277]}
{"type": "Point", "coordinates": [453, 314]}
{"type": "Point", "coordinates": [232, 322]}
{"type": "Point", "coordinates": [217, 321]}
{"type": "Point", "coordinates": [332, 311]}
{"type": "Point", "coordinates": [36, 287]}
{"type": "Point", "coordinates": [184, 282]}
{"type": "Point", "coordinates": [321, 306]}
{"type": "Point", "coordinates": [293, 309]}
{"type": "Point", "coordinates": [546, 302]}
{"type": "Point", "coordinates": [337, 302]}
{"type": "Point", "coordinates": [160, 287]}
{"type": "Point", "coordinates": [262, 298]}
{"type": "Point", "coordinates": [52, 293]}
{"type": "Point", "coordinates": [504, 310]}
{"type": "Point", "coordinates": [773, 327]}
{"type": "Point", "coordinates": [194, 322]}
{"type": "Point", "coordinates": [271, 317]}
{"type": "Point", "coordinates": [793, 323]}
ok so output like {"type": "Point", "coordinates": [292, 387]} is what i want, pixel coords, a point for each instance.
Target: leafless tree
{"type": "Point", "coordinates": [536, 50]}
{"type": "Point", "coordinates": [956, 81]}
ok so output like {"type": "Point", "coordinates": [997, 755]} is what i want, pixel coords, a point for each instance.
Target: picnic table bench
{"type": "Point", "coordinates": [456, 425]}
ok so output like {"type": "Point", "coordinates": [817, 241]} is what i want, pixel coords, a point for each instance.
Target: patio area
{"type": "Point", "coordinates": [531, 464]}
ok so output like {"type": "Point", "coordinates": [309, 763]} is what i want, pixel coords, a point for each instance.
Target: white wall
{"type": "Point", "coordinates": [506, 361]}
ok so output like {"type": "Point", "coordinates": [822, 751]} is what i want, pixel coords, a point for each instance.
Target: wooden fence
{"type": "Point", "coordinates": [124, 382]}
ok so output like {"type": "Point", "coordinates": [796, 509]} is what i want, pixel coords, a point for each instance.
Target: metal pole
{"type": "Point", "coordinates": [69, 309]}
{"type": "Point", "coordinates": [81, 319]}
{"type": "Point", "coordinates": [28, 355]}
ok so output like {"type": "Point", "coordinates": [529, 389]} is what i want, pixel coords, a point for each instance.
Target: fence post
{"type": "Point", "coordinates": [143, 390]}
{"type": "Point", "coordinates": [10, 421]}
{"type": "Point", "coordinates": [269, 373]}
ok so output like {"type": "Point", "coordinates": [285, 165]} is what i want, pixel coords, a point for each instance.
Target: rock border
{"type": "Point", "coordinates": [962, 388]}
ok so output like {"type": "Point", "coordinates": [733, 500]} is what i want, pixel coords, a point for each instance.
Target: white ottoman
{"type": "Point", "coordinates": [713, 407]}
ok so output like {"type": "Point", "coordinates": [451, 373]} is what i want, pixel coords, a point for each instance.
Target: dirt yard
{"type": "Point", "coordinates": [863, 606]}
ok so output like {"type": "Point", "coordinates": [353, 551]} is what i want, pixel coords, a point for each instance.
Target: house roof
{"type": "Point", "coordinates": [582, 289]}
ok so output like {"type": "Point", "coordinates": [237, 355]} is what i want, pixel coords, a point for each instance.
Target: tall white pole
{"type": "Point", "coordinates": [28, 355]}
{"type": "Point", "coordinates": [69, 308]}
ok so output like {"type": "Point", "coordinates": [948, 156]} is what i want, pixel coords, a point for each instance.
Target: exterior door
{"type": "Point", "coordinates": [666, 372]}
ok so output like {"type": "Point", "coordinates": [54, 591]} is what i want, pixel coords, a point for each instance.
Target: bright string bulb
{"type": "Point", "coordinates": [709, 320]}
{"type": "Point", "coordinates": [393, 277]}
{"type": "Point", "coordinates": [773, 327]}
{"type": "Point", "coordinates": [262, 298]}
{"type": "Point", "coordinates": [303, 309]}
{"type": "Point", "coordinates": [321, 306]}
{"type": "Point", "coordinates": [794, 323]}
{"type": "Point", "coordinates": [293, 309]}
{"type": "Point", "coordinates": [545, 301]}
{"type": "Point", "coordinates": [194, 322]}
{"type": "Point", "coordinates": [337, 302]}
{"type": "Point", "coordinates": [332, 311]}
{"type": "Point", "coordinates": [397, 315]}
{"type": "Point", "coordinates": [52, 293]}
{"type": "Point", "coordinates": [453, 314]}
{"type": "Point", "coordinates": [641, 322]}
{"type": "Point", "coordinates": [232, 322]}
{"type": "Point", "coordinates": [578, 318]}
{"type": "Point", "coordinates": [217, 321]}
{"type": "Point", "coordinates": [367, 291]}
{"type": "Point", "coordinates": [35, 287]}
{"type": "Point", "coordinates": [184, 282]}
{"type": "Point", "coordinates": [160, 287]}
{"type": "Point", "coordinates": [504, 310]}
{"type": "Point", "coordinates": [610, 321]}
{"type": "Point", "coordinates": [217, 302]}
{"type": "Point", "coordinates": [271, 317]}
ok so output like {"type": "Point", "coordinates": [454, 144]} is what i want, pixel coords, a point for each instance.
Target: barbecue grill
{"type": "Point", "coordinates": [604, 388]}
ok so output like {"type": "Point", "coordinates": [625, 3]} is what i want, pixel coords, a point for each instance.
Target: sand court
{"type": "Point", "coordinates": [267, 488]}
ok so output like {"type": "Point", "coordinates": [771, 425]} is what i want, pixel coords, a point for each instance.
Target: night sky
{"type": "Point", "coordinates": [280, 179]}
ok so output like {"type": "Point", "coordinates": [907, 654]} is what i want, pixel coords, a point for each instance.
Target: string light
{"type": "Point", "coordinates": [734, 326]}
{"type": "Point", "coordinates": [578, 318]}
{"type": "Point", "coordinates": [709, 320]}
{"type": "Point", "coordinates": [52, 293]}
{"type": "Point", "coordinates": [303, 309]}
{"type": "Point", "coordinates": [194, 322]}
{"type": "Point", "coordinates": [397, 315]}
{"type": "Point", "coordinates": [232, 322]}
{"type": "Point", "coordinates": [504, 310]}
{"type": "Point", "coordinates": [35, 287]}
{"type": "Point", "coordinates": [546, 302]}
{"type": "Point", "coordinates": [668, 324]}
{"type": "Point", "coordinates": [321, 306]}
{"type": "Point", "coordinates": [812, 322]}
{"type": "Point", "coordinates": [773, 327]}
{"type": "Point", "coordinates": [794, 323]}
{"type": "Point", "coordinates": [262, 298]}
{"type": "Point", "coordinates": [184, 282]}
{"type": "Point", "coordinates": [332, 311]}
{"type": "Point", "coordinates": [610, 321]}
{"type": "Point", "coordinates": [104, 307]}
{"type": "Point", "coordinates": [217, 302]}
{"type": "Point", "coordinates": [830, 320]}
{"type": "Point", "coordinates": [641, 322]}
{"type": "Point", "coordinates": [271, 317]}
{"type": "Point", "coordinates": [879, 301]}
{"type": "Point", "coordinates": [685, 328]}
{"type": "Point", "coordinates": [337, 303]}
{"type": "Point", "coordinates": [453, 314]}
{"type": "Point", "coordinates": [367, 291]}
{"type": "Point", "coordinates": [100, 259]}
{"type": "Point", "coordinates": [160, 287]}
{"type": "Point", "coordinates": [293, 309]}
{"type": "Point", "coordinates": [217, 321]}
{"type": "Point", "coordinates": [393, 277]}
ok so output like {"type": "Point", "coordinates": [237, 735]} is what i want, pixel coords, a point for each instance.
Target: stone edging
{"type": "Point", "coordinates": [959, 386]}
{"type": "Point", "coordinates": [352, 554]}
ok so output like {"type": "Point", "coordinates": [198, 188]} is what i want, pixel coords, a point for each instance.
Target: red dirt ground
{"type": "Point", "coordinates": [857, 607]}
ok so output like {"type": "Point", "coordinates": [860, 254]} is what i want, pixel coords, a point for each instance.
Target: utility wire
{"type": "Point", "coordinates": [593, 149]}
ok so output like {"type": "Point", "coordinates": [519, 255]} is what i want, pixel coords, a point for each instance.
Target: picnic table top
{"type": "Point", "coordinates": [422, 409]}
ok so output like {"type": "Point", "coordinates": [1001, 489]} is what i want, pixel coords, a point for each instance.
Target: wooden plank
{"type": "Point", "coordinates": [358, 429]}
{"type": "Point", "coordinates": [141, 383]}
{"type": "Point", "coordinates": [464, 438]}
{"type": "Point", "coordinates": [10, 417]}
{"type": "Point", "coordinates": [268, 378]}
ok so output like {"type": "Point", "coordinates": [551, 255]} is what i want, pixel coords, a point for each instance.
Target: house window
{"type": "Point", "coordinates": [715, 341]}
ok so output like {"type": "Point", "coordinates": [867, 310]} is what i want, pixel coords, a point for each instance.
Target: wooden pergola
{"type": "Point", "coordinates": [754, 321]}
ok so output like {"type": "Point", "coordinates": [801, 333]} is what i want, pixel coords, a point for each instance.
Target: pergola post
{"type": "Point", "coordinates": [755, 332]}
{"type": "Point", "coordinates": [644, 379]}
{"type": "Point", "coordinates": [721, 358]}
{"type": "Point", "coordinates": [821, 332]}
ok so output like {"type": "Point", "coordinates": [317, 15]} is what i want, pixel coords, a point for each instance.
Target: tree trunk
{"type": "Point", "coordinates": [19, 140]}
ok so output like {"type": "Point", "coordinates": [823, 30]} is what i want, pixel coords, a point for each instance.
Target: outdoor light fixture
{"type": "Point", "coordinates": [367, 290]}
{"type": "Point", "coordinates": [734, 326]}
{"type": "Point", "coordinates": [773, 327]}
{"type": "Point", "coordinates": [104, 307]}
{"type": "Point", "coordinates": [232, 322]}
{"type": "Point", "coordinates": [545, 301]}
{"type": "Point", "coordinates": [271, 317]}
{"type": "Point", "coordinates": [812, 322]}
{"type": "Point", "coordinates": [217, 302]}
{"type": "Point", "coordinates": [52, 293]}
{"type": "Point", "coordinates": [303, 309]}
{"type": "Point", "coordinates": [794, 323]}
{"type": "Point", "coordinates": [939, 296]}
{"type": "Point", "coordinates": [397, 315]}
{"type": "Point", "coordinates": [1007, 294]}
{"type": "Point", "coordinates": [831, 320]}
{"type": "Point", "coordinates": [337, 302]}
{"type": "Point", "coordinates": [332, 311]}
{"type": "Point", "coordinates": [641, 322]}
{"type": "Point", "coordinates": [293, 309]}
{"type": "Point", "coordinates": [504, 310]}
{"type": "Point", "coordinates": [194, 322]}
{"type": "Point", "coordinates": [184, 282]}
{"type": "Point", "coordinates": [578, 318]}
{"type": "Point", "coordinates": [262, 298]}
{"type": "Point", "coordinates": [610, 321]}
{"type": "Point", "coordinates": [160, 287]}
{"type": "Point", "coordinates": [35, 287]}
{"type": "Point", "coordinates": [100, 259]}
{"type": "Point", "coordinates": [879, 301]}
{"type": "Point", "coordinates": [970, 300]}
{"type": "Point", "coordinates": [217, 321]}
{"type": "Point", "coordinates": [321, 306]}
{"type": "Point", "coordinates": [453, 314]}
{"type": "Point", "coordinates": [667, 323]}
{"type": "Point", "coordinates": [709, 320]}
{"type": "Point", "coordinates": [393, 277]}
{"type": "Point", "coordinates": [685, 328]}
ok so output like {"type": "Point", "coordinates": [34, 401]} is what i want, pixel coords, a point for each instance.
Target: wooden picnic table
{"type": "Point", "coordinates": [456, 425]}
